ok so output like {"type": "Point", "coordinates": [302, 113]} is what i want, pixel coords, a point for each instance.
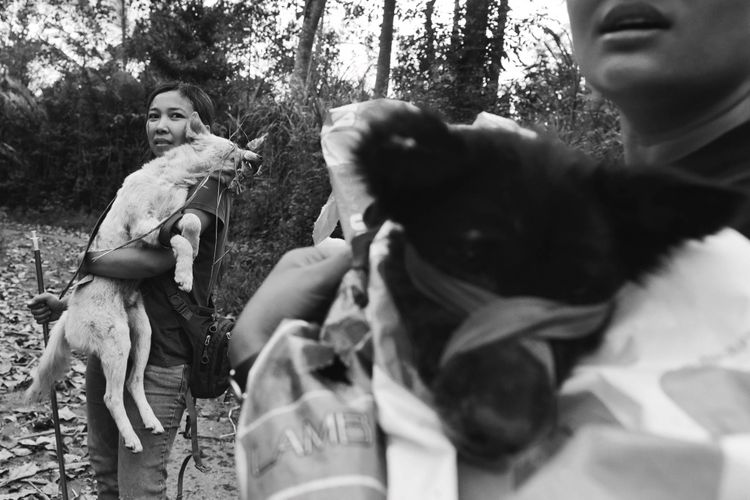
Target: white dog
{"type": "Point", "coordinates": [104, 314]}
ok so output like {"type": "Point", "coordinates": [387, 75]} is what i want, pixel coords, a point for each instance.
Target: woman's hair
{"type": "Point", "coordinates": [201, 102]}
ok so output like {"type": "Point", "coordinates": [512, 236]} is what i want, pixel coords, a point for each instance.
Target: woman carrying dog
{"type": "Point", "coordinates": [119, 473]}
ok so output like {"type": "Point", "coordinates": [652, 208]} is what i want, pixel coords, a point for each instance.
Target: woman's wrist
{"type": "Point", "coordinates": [86, 261]}
{"type": "Point", "coordinates": [238, 375]}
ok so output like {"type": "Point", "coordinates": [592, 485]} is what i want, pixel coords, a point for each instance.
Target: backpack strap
{"type": "Point", "coordinates": [167, 230]}
{"type": "Point", "coordinates": [92, 235]}
{"type": "Point", "coordinates": [191, 432]}
{"type": "Point", "coordinates": [180, 304]}
{"type": "Point", "coordinates": [181, 301]}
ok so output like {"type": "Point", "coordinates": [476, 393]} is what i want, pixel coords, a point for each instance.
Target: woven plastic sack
{"type": "Point", "coordinates": [343, 128]}
{"type": "Point", "coordinates": [308, 428]}
{"type": "Point", "coordinates": [662, 409]}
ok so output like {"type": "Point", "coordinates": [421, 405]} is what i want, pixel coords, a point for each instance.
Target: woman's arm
{"type": "Point", "coordinates": [129, 263]}
{"type": "Point", "coordinates": [137, 262]}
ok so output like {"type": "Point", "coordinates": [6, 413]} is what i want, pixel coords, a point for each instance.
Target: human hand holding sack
{"type": "Point", "coordinates": [301, 285]}
{"type": "Point", "coordinates": [307, 426]}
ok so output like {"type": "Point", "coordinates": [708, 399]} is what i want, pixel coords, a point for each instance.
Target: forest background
{"type": "Point", "coordinates": [74, 76]}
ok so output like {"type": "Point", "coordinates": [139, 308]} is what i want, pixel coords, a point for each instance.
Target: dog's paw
{"type": "Point", "coordinates": [184, 281]}
{"type": "Point", "coordinates": [132, 442]}
{"type": "Point", "coordinates": [153, 425]}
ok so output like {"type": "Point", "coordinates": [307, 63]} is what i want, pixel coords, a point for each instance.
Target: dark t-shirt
{"type": "Point", "coordinates": [170, 346]}
{"type": "Point", "coordinates": [727, 160]}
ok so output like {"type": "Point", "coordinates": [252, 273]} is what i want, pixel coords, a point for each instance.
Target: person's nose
{"type": "Point", "coordinates": [161, 125]}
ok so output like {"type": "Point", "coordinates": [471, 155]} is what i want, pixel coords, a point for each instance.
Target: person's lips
{"type": "Point", "coordinates": [633, 16]}
{"type": "Point", "coordinates": [162, 142]}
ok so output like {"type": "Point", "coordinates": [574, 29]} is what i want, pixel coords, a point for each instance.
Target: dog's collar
{"type": "Point", "coordinates": [491, 317]}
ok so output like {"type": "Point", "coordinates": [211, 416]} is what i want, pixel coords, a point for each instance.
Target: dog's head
{"type": "Point", "coordinates": [526, 216]}
{"type": "Point", "coordinates": [209, 153]}
{"type": "Point", "coordinates": [522, 216]}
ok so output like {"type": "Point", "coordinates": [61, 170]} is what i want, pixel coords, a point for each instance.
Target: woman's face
{"type": "Point", "coordinates": [166, 125]}
{"type": "Point", "coordinates": [663, 47]}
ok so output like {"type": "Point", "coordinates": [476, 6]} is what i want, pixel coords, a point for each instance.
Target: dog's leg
{"type": "Point", "coordinates": [185, 248]}
{"type": "Point", "coordinates": [113, 353]}
{"type": "Point", "coordinates": [190, 228]}
{"type": "Point", "coordinates": [53, 364]}
{"type": "Point", "coordinates": [183, 252]}
{"type": "Point", "coordinates": [140, 331]}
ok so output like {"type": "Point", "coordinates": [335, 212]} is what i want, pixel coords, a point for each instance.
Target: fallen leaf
{"type": "Point", "coordinates": [21, 472]}
{"type": "Point", "coordinates": [23, 493]}
{"type": "Point", "coordinates": [66, 414]}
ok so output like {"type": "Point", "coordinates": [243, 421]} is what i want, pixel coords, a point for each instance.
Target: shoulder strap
{"type": "Point", "coordinates": [180, 300]}
{"type": "Point", "coordinates": [220, 235]}
{"type": "Point", "coordinates": [92, 235]}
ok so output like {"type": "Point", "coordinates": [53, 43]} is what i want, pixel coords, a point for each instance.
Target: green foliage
{"type": "Point", "coordinates": [187, 40]}
{"type": "Point", "coordinates": [552, 96]}
{"type": "Point", "coordinates": [453, 68]}
{"type": "Point", "coordinates": [277, 213]}
{"type": "Point", "coordinates": [75, 154]}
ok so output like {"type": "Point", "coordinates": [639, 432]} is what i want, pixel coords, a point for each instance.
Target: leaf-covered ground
{"type": "Point", "coordinates": [28, 460]}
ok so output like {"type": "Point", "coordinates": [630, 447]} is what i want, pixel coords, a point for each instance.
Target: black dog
{"type": "Point", "coordinates": [517, 217]}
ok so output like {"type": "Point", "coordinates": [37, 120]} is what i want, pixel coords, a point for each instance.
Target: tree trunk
{"type": "Point", "coordinates": [473, 55]}
{"type": "Point", "coordinates": [470, 68]}
{"type": "Point", "coordinates": [455, 36]}
{"type": "Point", "coordinates": [124, 31]}
{"type": "Point", "coordinates": [427, 63]}
{"type": "Point", "coordinates": [384, 54]}
{"type": "Point", "coordinates": [303, 57]}
{"type": "Point", "coordinates": [497, 48]}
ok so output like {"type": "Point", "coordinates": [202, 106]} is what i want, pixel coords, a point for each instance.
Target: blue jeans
{"type": "Point", "coordinates": [119, 473]}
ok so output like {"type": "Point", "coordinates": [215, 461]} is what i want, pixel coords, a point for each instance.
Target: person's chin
{"type": "Point", "coordinates": [160, 149]}
{"type": "Point", "coordinates": [624, 73]}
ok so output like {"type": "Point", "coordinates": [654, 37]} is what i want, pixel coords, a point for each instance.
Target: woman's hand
{"type": "Point", "coordinates": [300, 286]}
{"type": "Point", "coordinates": [46, 307]}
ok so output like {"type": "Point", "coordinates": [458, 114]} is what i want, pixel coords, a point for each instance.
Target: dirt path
{"type": "Point", "coordinates": [28, 466]}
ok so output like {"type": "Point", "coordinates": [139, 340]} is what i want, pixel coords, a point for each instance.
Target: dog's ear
{"type": "Point", "coordinates": [195, 127]}
{"type": "Point", "coordinates": [655, 209]}
{"type": "Point", "coordinates": [406, 156]}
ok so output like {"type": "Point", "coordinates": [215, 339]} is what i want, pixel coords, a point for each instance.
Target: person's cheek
{"type": "Point", "coordinates": [180, 134]}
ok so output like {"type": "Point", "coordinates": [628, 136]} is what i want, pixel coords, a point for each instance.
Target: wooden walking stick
{"type": "Point", "coordinates": [53, 394]}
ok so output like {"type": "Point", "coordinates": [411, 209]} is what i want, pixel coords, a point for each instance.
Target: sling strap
{"type": "Point", "coordinates": [191, 432]}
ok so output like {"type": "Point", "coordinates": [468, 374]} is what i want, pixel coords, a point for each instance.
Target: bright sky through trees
{"type": "Point", "coordinates": [357, 38]}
